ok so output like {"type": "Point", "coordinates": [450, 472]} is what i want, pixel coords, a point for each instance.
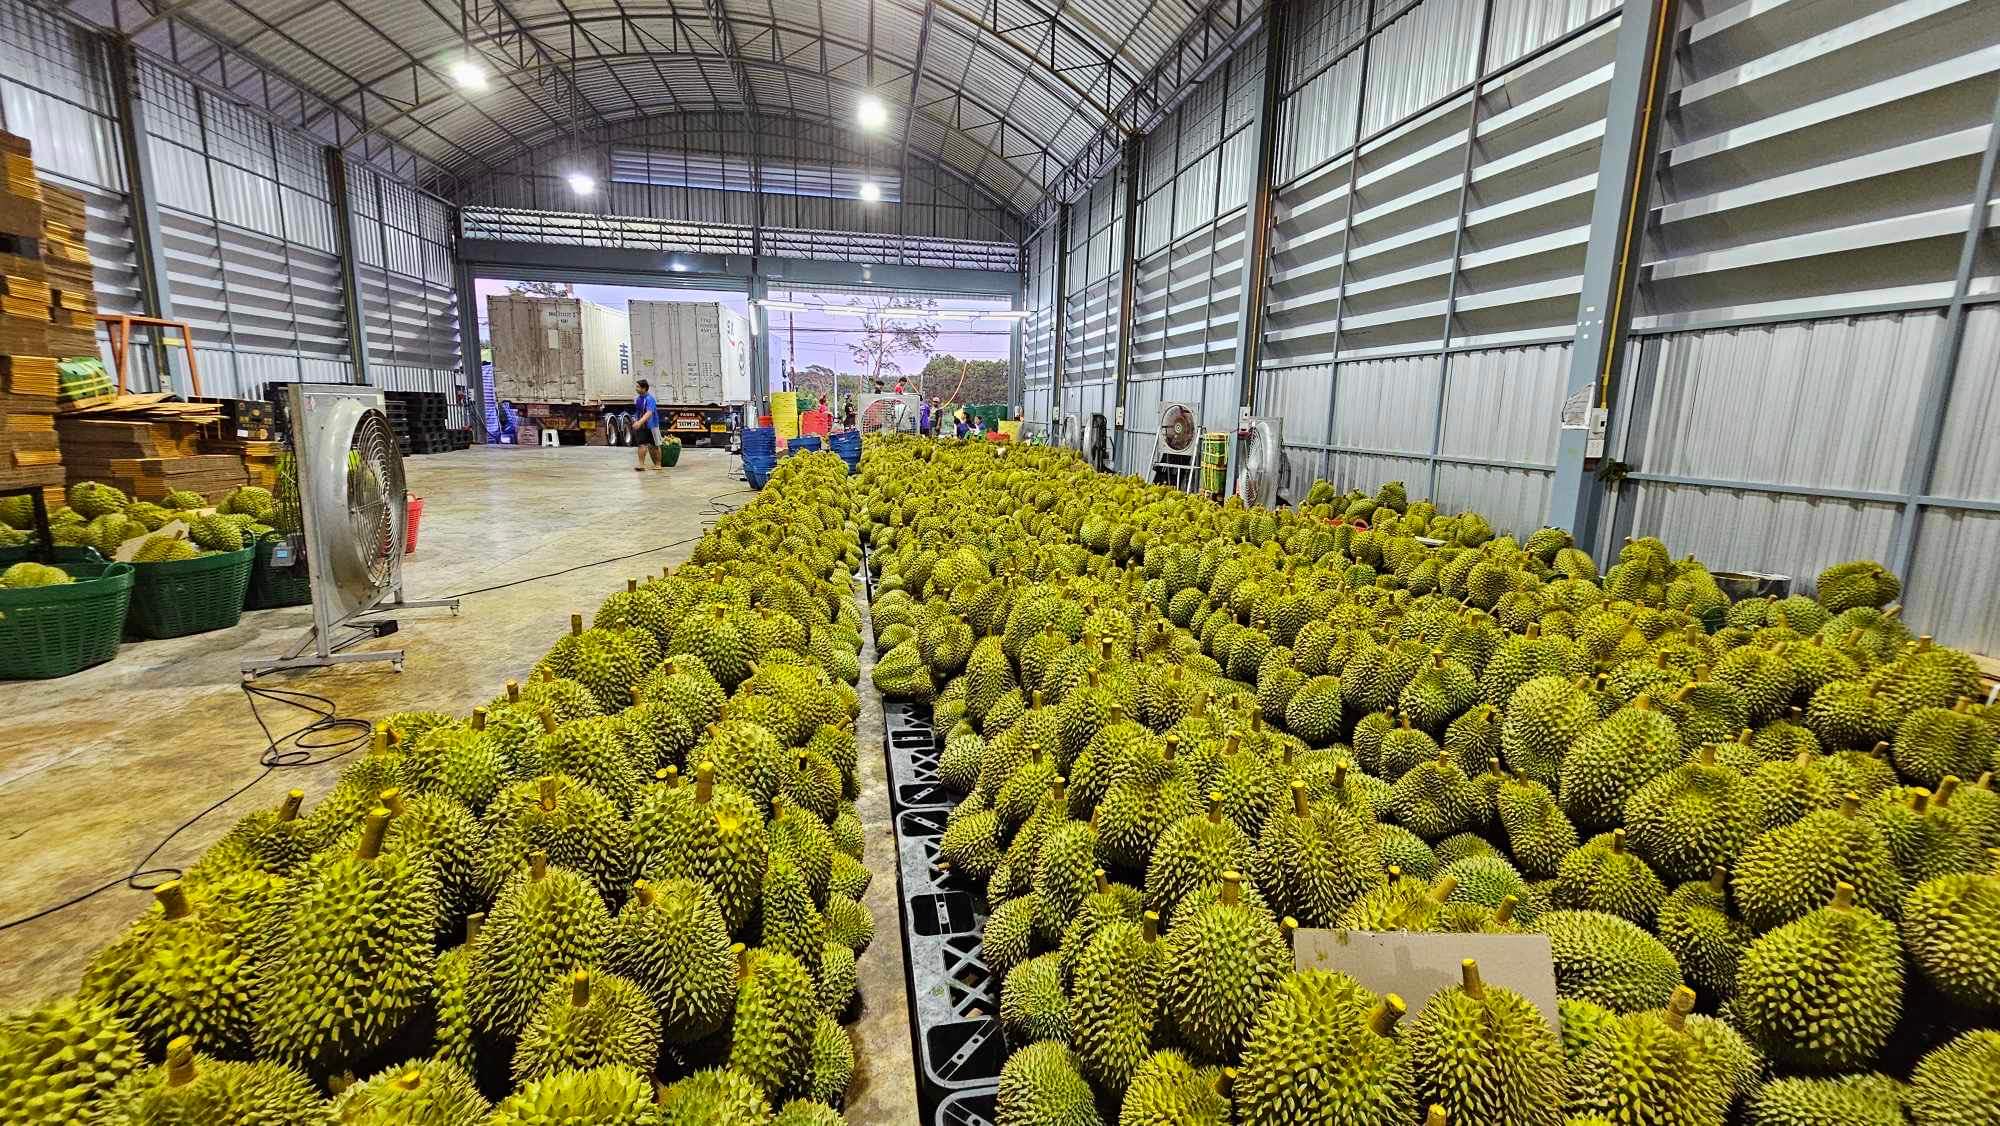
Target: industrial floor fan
{"type": "Point", "coordinates": [344, 494]}
{"type": "Point", "coordinates": [1174, 448]}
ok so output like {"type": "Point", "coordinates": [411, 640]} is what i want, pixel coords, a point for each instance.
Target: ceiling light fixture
{"type": "Point", "coordinates": [468, 75]}
{"type": "Point", "coordinates": [582, 184]}
{"type": "Point", "coordinates": [871, 192]}
{"type": "Point", "coordinates": [871, 113]}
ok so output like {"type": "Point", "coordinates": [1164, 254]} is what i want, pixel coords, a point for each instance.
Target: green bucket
{"type": "Point", "coordinates": [670, 454]}
{"type": "Point", "coordinates": [272, 587]}
{"type": "Point", "coordinates": [49, 631]}
{"type": "Point", "coordinates": [191, 595]}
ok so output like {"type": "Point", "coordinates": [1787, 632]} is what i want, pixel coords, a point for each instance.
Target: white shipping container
{"type": "Point", "coordinates": [693, 352]}
{"type": "Point", "coordinates": [557, 350]}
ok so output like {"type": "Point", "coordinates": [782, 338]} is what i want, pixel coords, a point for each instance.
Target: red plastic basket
{"type": "Point", "coordinates": [416, 511]}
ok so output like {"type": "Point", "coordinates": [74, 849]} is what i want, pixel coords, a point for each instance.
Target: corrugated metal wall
{"type": "Point", "coordinates": [1423, 284]}
{"type": "Point", "coordinates": [53, 91]}
{"type": "Point", "coordinates": [1092, 293]}
{"type": "Point", "coordinates": [402, 239]}
{"type": "Point", "coordinates": [1820, 163]}
{"type": "Point", "coordinates": [247, 224]}
{"type": "Point", "coordinates": [249, 234]}
{"type": "Point", "coordinates": [1038, 331]}
{"type": "Point", "coordinates": [1196, 173]}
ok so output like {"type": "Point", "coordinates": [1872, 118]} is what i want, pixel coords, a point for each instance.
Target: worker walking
{"type": "Point", "coordinates": [924, 420]}
{"type": "Point", "coordinates": [646, 427]}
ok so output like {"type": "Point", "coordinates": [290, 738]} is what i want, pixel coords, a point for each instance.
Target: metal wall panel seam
{"type": "Point", "coordinates": [1456, 267]}
{"type": "Point", "coordinates": [208, 169]}
{"type": "Point", "coordinates": [1347, 226]}
{"type": "Point", "coordinates": [1944, 366]}
{"type": "Point", "coordinates": [155, 289]}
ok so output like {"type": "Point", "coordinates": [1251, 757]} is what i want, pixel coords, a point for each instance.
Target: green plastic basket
{"type": "Point", "coordinates": [272, 587]}
{"type": "Point", "coordinates": [87, 555]}
{"type": "Point", "coordinates": [191, 595]}
{"type": "Point", "coordinates": [670, 454]}
{"type": "Point", "coordinates": [49, 631]}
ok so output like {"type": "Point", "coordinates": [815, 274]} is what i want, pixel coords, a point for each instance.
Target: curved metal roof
{"type": "Point", "coordinates": [1006, 92]}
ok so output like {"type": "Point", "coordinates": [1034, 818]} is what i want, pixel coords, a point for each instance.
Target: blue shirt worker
{"type": "Point", "coordinates": [924, 419]}
{"type": "Point", "coordinates": [646, 427]}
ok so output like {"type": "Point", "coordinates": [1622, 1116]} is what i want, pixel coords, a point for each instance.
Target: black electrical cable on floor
{"type": "Point", "coordinates": [301, 747]}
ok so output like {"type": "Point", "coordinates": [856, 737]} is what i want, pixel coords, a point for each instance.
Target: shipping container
{"type": "Point", "coordinates": [693, 352]}
{"type": "Point", "coordinates": [558, 350]}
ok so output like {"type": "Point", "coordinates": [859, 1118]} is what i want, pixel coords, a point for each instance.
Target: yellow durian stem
{"type": "Point", "coordinates": [173, 899]}
{"type": "Point", "coordinates": [371, 834]}
{"type": "Point", "coordinates": [288, 810]}
{"type": "Point", "coordinates": [180, 1062]}
{"type": "Point", "coordinates": [1382, 1020]}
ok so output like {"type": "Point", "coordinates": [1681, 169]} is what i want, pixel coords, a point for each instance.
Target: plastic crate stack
{"type": "Point", "coordinates": [421, 419]}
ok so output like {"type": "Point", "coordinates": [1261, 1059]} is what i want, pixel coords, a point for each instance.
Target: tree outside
{"type": "Point", "coordinates": [952, 380]}
{"type": "Point", "coordinates": [539, 289]}
{"type": "Point", "coordinates": [883, 337]}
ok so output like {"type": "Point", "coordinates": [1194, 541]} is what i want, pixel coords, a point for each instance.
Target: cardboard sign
{"type": "Point", "coordinates": [1414, 966]}
{"type": "Point", "coordinates": [175, 528]}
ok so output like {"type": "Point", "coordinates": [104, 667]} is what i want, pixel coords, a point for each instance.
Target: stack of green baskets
{"type": "Point", "coordinates": [272, 587]}
{"type": "Point", "coordinates": [48, 631]}
{"type": "Point", "coordinates": [191, 595]}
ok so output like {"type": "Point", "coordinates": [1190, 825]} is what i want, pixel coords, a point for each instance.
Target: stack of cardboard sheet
{"type": "Point", "coordinates": [71, 284]}
{"type": "Point", "coordinates": [29, 453]}
{"type": "Point", "coordinates": [148, 446]}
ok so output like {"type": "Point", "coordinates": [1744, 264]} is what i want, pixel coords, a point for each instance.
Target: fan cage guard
{"type": "Point", "coordinates": [1179, 418]}
{"type": "Point", "coordinates": [374, 485]}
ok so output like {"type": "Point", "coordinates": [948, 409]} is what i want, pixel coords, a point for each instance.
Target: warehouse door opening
{"type": "Point", "coordinates": [559, 361]}
{"type": "Point", "coordinates": [835, 348]}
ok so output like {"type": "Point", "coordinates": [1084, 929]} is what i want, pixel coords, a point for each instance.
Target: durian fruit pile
{"type": "Point", "coordinates": [1758, 835]}
{"type": "Point", "coordinates": [102, 517]}
{"type": "Point", "coordinates": [624, 893]}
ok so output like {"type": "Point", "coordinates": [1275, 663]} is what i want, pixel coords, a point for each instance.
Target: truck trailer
{"type": "Point", "coordinates": [558, 350]}
{"type": "Point", "coordinates": [696, 356]}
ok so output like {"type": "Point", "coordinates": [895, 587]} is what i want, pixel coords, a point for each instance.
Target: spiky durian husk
{"type": "Point", "coordinates": [414, 1093]}
{"type": "Point", "coordinates": [539, 929]}
{"type": "Point", "coordinates": [353, 928]}
{"type": "Point", "coordinates": [588, 1020]}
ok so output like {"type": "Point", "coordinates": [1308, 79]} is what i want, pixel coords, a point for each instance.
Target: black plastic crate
{"type": "Point", "coordinates": [954, 997]}
{"type": "Point", "coordinates": [968, 1108]}
{"type": "Point", "coordinates": [913, 747]}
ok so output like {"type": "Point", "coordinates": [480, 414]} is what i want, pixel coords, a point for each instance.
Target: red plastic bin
{"type": "Point", "coordinates": [416, 513]}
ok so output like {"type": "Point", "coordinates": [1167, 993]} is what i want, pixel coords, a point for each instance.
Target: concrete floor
{"type": "Point", "coordinates": [96, 768]}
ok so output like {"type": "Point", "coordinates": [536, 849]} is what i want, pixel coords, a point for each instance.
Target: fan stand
{"type": "Point", "coordinates": [328, 646]}
{"type": "Point", "coordinates": [1170, 468]}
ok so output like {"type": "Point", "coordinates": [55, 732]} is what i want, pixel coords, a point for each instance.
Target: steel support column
{"type": "Point", "coordinates": [1128, 281]}
{"type": "Point", "coordinates": [350, 263]}
{"type": "Point", "coordinates": [1617, 215]}
{"type": "Point", "coordinates": [148, 249]}
{"type": "Point", "coordinates": [468, 337]}
{"type": "Point", "coordinates": [760, 349]}
{"type": "Point", "coordinates": [1257, 220]}
{"type": "Point", "coordinates": [1059, 332]}
{"type": "Point", "coordinates": [1016, 354]}
{"type": "Point", "coordinates": [1936, 401]}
